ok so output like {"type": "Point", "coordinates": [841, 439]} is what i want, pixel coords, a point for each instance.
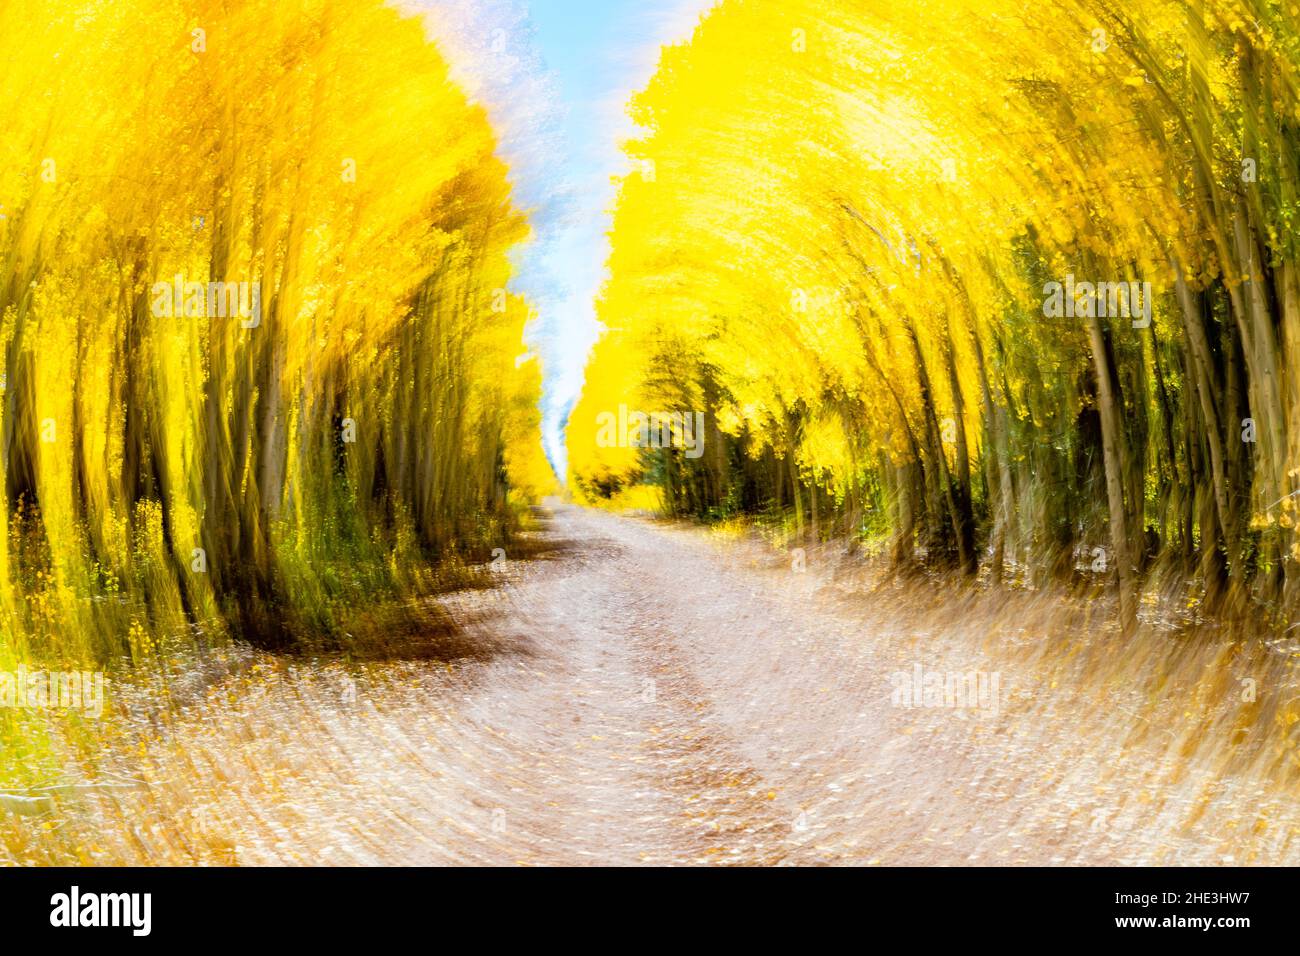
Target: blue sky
{"type": "Point", "coordinates": [555, 77]}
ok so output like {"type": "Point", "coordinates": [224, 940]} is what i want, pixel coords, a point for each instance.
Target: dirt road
{"type": "Point", "coordinates": [646, 694]}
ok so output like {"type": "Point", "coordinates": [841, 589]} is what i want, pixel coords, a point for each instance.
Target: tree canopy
{"type": "Point", "coordinates": [850, 236]}
{"type": "Point", "coordinates": [259, 354]}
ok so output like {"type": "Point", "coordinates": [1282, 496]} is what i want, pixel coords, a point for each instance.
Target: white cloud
{"type": "Point", "coordinates": [565, 185]}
